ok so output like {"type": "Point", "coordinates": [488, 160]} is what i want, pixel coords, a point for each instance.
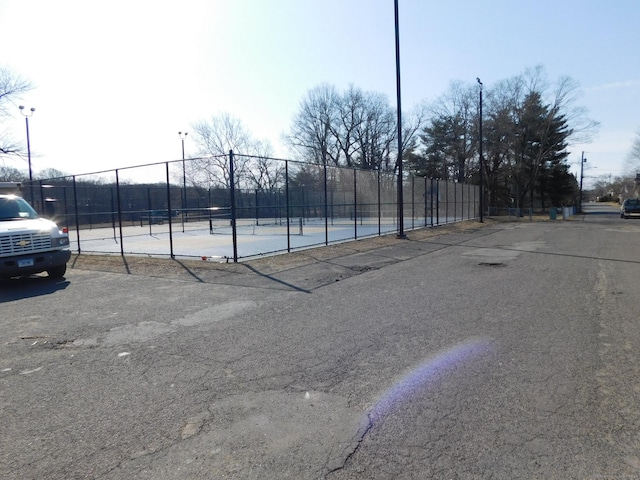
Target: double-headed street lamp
{"type": "Point", "coordinates": [26, 115]}
{"type": "Point", "coordinates": [182, 136]}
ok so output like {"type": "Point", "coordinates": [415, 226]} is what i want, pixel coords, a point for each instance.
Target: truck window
{"type": "Point", "coordinates": [12, 208]}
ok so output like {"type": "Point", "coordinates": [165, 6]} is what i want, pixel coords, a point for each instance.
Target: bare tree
{"type": "Point", "coordinates": [376, 133]}
{"type": "Point", "coordinates": [264, 172]}
{"type": "Point", "coordinates": [312, 134]}
{"type": "Point", "coordinates": [254, 166]}
{"type": "Point", "coordinates": [635, 149]}
{"type": "Point", "coordinates": [351, 113]}
{"type": "Point", "coordinates": [52, 173]}
{"type": "Point", "coordinates": [354, 128]}
{"type": "Point", "coordinates": [215, 139]}
{"type": "Point", "coordinates": [12, 86]}
{"type": "Point", "coordinates": [633, 159]}
{"type": "Point", "coordinates": [412, 124]}
{"type": "Point", "coordinates": [11, 174]}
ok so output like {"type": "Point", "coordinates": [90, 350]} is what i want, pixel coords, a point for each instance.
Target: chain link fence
{"type": "Point", "coordinates": [237, 206]}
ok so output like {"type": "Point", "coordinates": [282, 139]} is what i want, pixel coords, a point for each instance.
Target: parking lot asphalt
{"type": "Point", "coordinates": [501, 350]}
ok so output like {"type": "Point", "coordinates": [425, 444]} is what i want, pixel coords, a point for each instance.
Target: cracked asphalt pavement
{"type": "Point", "coordinates": [495, 350]}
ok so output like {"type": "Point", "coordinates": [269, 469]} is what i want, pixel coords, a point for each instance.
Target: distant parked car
{"type": "Point", "coordinates": [630, 208]}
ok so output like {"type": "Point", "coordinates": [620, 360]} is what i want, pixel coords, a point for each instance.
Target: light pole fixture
{"type": "Point", "coordinates": [480, 154]}
{"type": "Point", "coordinates": [182, 136]}
{"type": "Point", "coordinates": [26, 115]}
{"type": "Point", "coordinates": [401, 233]}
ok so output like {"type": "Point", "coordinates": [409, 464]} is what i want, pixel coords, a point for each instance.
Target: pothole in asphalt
{"type": "Point", "coordinates": [362, 269]}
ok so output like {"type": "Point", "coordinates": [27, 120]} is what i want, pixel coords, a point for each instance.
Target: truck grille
{"type": "Point", "coordinates": [20, 243]}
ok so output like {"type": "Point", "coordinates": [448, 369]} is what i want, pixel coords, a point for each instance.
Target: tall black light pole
{"type": "Point", "coordinates": [182, 136]}
{"type": "Point", "coordinates": [401, 233]}
{"type": "Point", "coordinates": [26, 119]}
{"type": "Point", "coordinates": [480, 155]}
{"type": "Point", "coordinates": [582, 162]}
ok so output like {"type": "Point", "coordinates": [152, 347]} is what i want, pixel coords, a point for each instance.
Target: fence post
{"type": "Point", "coordinates": [41, 210]}
{"type": "Point", "coordinates": [455, 201]}
{"type": "Point", "coordinates": [119, 219]}
{"type": "Point", "coordinates": [466, 203]}
{"type": "Point", "coordinates": [424, 198]}
{"type": "Point", "coordinates": [431, 201]}
{"type": "Point", "coordinates": [169, 212]}
{"type": "Point", "coordinates": [75, 206]}
{"type": "Point", "coordinates": [437, 201]}
{"type": "Point", "coordinates": [66, 210]}
{"type": "Point", "coordinates": [148, 210]}
{"type": "Point", "coordinates": [257, 208]}
{"type": "Point", "coordinates": [379, 205]}
{"type": "Point", "coordinates": [288, 212]}
{"type": "Point", "coordinates": [113, 214]}
{"type": "Point", "coordinates": [446, 203]}
{"type": "Point", "coordinates": [355, 205]}
{"type": "Point", "coordinates": [332, 205]}
{"type": "Point", "coordinates": [232, 191]}
{"type": "Point", "coordinates": [462, 203]}
{"type": "Point", "coordinates": [413, 201]}
{"type": "Point", "coordinates": [326, 207]}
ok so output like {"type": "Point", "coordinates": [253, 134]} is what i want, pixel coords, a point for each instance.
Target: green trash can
{"type": "Point", "coordinates": [553, 212]}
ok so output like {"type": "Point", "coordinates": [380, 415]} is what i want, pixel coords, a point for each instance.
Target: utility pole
{"type": "Point", "coordinates": [182, 136]}
{"type": "Point", "coordinates": [480, 152]}
{"type": "Point", "coordinates": [401, 233]}
{"type": "Point", "coordinates": [26, 119]}
{"type": "Point", "coordinates": [582, 162]}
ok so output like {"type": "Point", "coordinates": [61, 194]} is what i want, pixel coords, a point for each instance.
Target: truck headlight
{"type": "Point", "coordinates": [60, 242]}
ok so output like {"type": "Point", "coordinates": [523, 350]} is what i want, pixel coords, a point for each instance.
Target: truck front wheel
{"type": "Point", "coordinates": [57, 272]}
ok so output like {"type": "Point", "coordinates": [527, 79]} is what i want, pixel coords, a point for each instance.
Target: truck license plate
{"type": "Point", "coordinates": [25, 262]}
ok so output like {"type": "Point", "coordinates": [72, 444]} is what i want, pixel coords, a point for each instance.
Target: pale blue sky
{"type": "Point", "coordinates": [116, 80]}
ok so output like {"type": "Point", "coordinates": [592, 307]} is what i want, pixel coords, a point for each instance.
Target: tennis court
{"type": "Point", "coordinates": [221, 218]}
{"type": "Point", "coordinates": [213, 239]}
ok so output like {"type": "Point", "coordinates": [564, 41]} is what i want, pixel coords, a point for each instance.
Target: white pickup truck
{"type": "Point", "coordinates": [29, 244]}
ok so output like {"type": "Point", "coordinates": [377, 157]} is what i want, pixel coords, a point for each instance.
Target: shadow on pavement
{"type": "Point", "coordinates": [27, 287]}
